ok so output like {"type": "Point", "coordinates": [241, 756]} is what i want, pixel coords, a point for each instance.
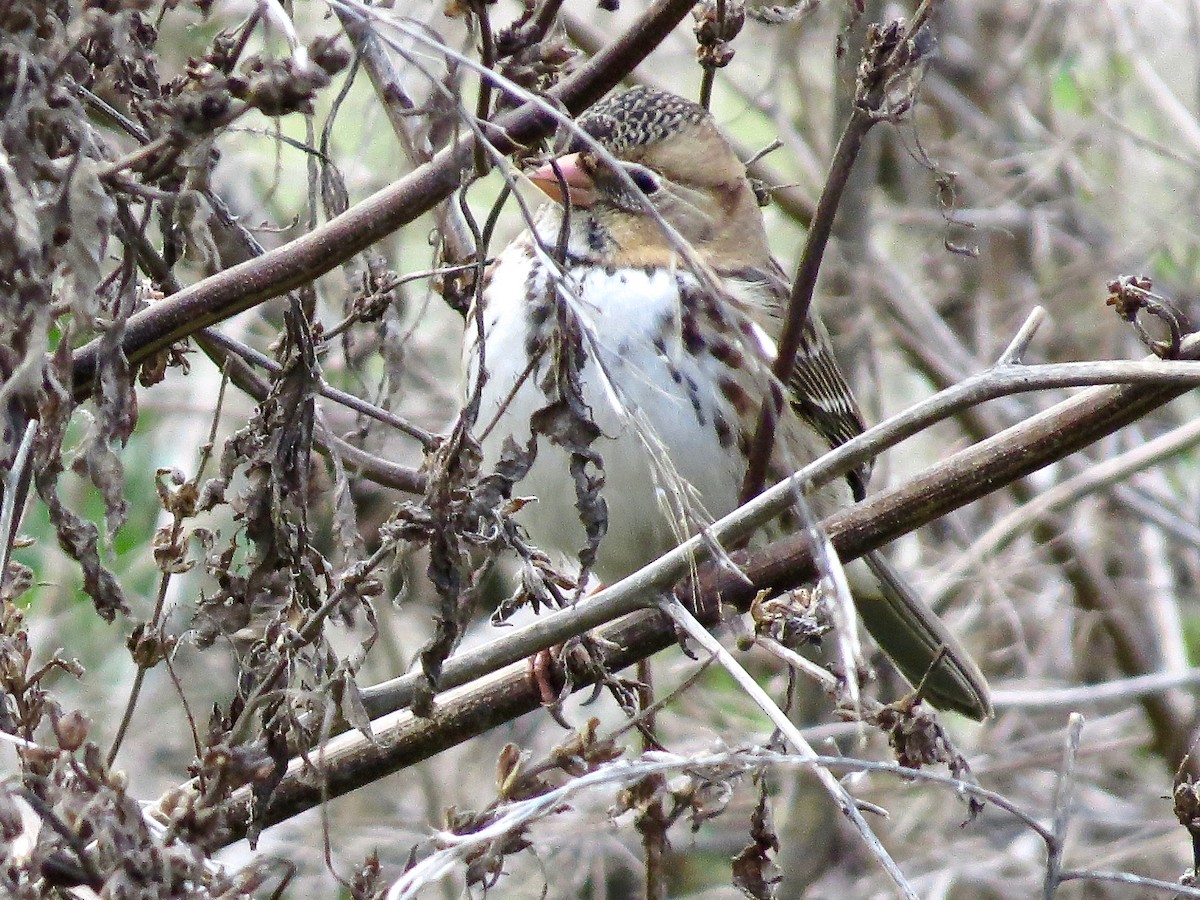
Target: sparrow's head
{"type": "Point", "coordinates": [676, 160]}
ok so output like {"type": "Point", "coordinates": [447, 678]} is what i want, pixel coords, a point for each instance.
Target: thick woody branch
{"type": "Point", "coordinates": [400, 739]}
{"type": "Point", "coordinates": [1170, 724]}
{"type": "Point", "coordinates": [637, 590]}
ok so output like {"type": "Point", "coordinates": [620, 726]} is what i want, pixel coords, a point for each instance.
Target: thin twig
{"type": "Point", "coordinates": [1016, 348]}
{"type": "Point", "coordinates": [1167, 887]}
{"type": "Point", "coordinates": [427, 439]}
{"type": "Point", "coordinates": [1064, 797]}
{"type": "Point", "coordinates": [1099, 475]}
{"type": "Point", "coordinates": [822, 676]}
{"type": "Point", "coordinates": [1119, 691]}
{"type": "Point", "coordinates": [847, 804]}
{"type": "Point", "coordinates": [152, 630]}
{"type": "Point", "coordinates": [871, 97]}
{"type": "Point", "coordinates": [12, 500]}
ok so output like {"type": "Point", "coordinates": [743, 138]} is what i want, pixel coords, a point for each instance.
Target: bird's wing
{"type": "Point", "coordinates": [817, 389]}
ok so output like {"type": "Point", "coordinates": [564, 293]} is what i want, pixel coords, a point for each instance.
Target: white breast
{"type": "Point", "coordinates": [654, 406]}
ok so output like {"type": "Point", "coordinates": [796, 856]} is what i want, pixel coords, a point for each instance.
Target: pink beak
{"type": "Point", "coordinates": [581, 190]}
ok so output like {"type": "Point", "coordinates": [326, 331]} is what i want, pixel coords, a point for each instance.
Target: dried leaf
{"type": "Point", "coordinates": [754, 871]}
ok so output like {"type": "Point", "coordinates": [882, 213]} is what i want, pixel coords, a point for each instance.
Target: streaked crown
{"type": "Point", "coordinates": [636, 118]}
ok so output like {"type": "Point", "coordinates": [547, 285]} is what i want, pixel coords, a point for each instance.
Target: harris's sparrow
{"type": "Point", "coordinates": [643, 352]}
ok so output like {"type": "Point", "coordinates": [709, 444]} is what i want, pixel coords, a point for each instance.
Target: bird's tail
{"type": "Point", "coordinates": [918, 642]}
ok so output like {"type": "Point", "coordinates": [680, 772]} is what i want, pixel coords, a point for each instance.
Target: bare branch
{"type": "Point", "coordinates": [246, 285]}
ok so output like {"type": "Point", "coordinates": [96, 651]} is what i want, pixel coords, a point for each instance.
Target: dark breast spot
{"type": "Point", "coordinates": [738, 397]}
{"type": "Point", "coordinates": [666, 323]}
{"type": "Point", "coordinates": [693, 390]}
{"type": "Point", "coordinates": [726, 352]}
{"type": "Point", "coordinates": [724, 431]}
{"type": "Point", "coordinates": [538, 314]}
{"type": "Point", "coordinates": [597, 236]}
{"type": "Point", "coordinates": [532, 346]}
{"type": "Point", "coordinates": [777, 397]}
{"type": "Point", "coordinates": [714, 309]}
{"type": "Point", "coordinates": [693, 340]}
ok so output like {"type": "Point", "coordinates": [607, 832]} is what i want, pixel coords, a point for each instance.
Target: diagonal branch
{"type": "Point", "coordinates": [639, 589]}
{"type": "Point", "coordinates": [400, 739]}
{"type": "Point", "coordinates": [300, 261]}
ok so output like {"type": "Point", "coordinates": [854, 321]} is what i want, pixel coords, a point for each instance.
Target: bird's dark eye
{"type": "Point", "coordinates": [645, 181]}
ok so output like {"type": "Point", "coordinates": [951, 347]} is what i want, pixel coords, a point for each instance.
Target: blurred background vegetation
{"type": "Point", "coordinates": [1054, 146]}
